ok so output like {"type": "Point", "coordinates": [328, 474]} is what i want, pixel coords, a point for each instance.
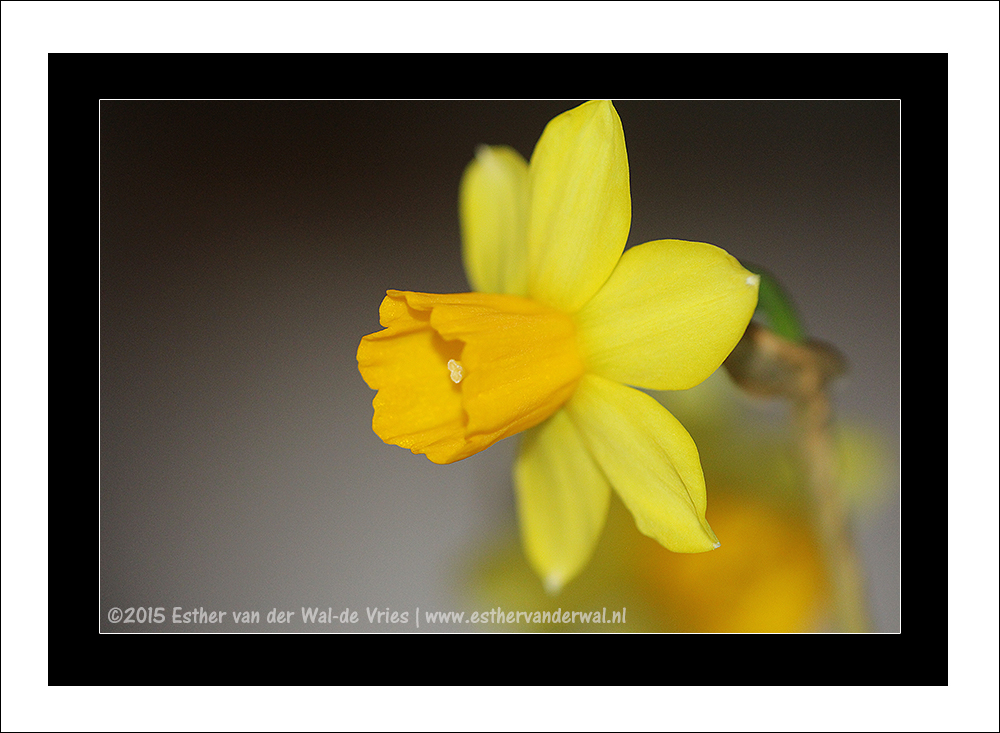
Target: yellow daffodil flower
{"type": "Point", "coordinates": [561, 322]}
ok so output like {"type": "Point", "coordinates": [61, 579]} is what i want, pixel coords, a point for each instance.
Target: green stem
{"type": "Point", "coordinates": [767, 365]}
{"type": "Point", "coordinates": [813, 417]}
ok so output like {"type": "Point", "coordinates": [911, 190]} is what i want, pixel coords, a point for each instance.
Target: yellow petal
{"type": "Point", "coordinates": [580, 205]}
{"type": "Point", "coordinates": [650, 460]}
{"type": "Point", "coordinates": [493, 211]}
{"type": "Point", "coordinates": [562, 500]}
{"type": "Point", "coordinates": [456, 373]}
{"type": "Point", "coordinates": [668, 316]}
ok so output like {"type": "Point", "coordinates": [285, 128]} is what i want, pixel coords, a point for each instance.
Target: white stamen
{"type": "Point", "coordinates": [456, 371]}
{"type": "Point", "coordinates": [753, 280]}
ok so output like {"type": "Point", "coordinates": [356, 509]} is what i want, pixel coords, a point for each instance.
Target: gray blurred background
{"type": "Point", "coordinates": [246, 247]}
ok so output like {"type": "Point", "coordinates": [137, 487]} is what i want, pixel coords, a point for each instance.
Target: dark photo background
{"type": "Point", "coordinates": [246, 246]}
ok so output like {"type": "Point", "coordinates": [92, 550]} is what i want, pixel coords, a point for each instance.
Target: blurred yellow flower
{"type": "Point", "coordinates": [769, 579]}
{"type": "Point", "coordinates": [561, 322]}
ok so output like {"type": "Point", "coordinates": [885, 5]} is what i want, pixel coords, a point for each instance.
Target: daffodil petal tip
{"type": "Point", "coordinates": [553, 584]}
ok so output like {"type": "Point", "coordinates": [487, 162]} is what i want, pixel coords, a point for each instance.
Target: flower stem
{"type": "Point", "coordinates": [765, 364]}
